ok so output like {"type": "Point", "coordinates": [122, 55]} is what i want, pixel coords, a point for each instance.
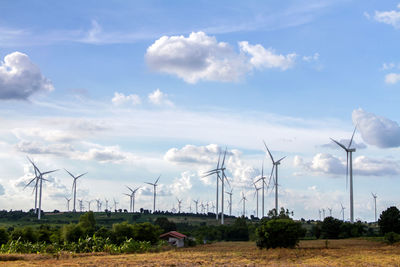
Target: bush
{"type": "Point", "coordinates": [146, 232]}
{"type": "Point", "coordinates": [72, 232]}
{"type": "Point", "coordinates": [3, 236]}
{"type": "Point", "coordinates": [392, 237]}
{"type": "Point", "coordinates": [330, 228]}
{"type": "Point", "coordinates": [121, 232]}
{"type": "Point", "coordinates": [26, 234]}
{"type": "Point", "coordinates": [165, 224]}
{"type": "Point", "coordinates": [389, 221]}
{"type": "Point", "coordinates": [279, 233]}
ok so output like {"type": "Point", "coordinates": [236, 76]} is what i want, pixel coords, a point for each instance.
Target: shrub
{"type": "Point", "coordinates": [72, 232]}
{"type": "Point", "coordinates": [165, 224]}
{"type": "Point", "coordinates": [3, 236]}
{"type": "Point", "coordinates": [389, 221]}
{"type": "Point", "coordinates": [146, 232]}
{"type": "Point", "coordinates": [121, 232]}
{"type": "Point", "coordinates": [279, 233]}
{"type": "Point", "coordinates": [392, 237]}
{"type": "Point", "coordinates": [26, 234]}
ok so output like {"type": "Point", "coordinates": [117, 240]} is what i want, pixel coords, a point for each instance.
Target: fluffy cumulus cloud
{"type": "Point", "coordinates": [182, 184]}
{"type": "Point", "coordinates": [327, 164]}
{"type": "Point", "coordinates": [194, 154]}
{"type": "Point", "coordinates": [121, 99]}
{"type": "Point", "coordinates": [392, 78]}
{"type": "Point", "coordinates": [107, 154]}
{"type": "Point", "coordinates": [159, 98]}
{"type": "Point", "coordinates": [377, 130]}
{"type": "Point", "coordinates": [20, 77]}
{"type": "Point", "coordinates": [2, 191]}
{"type": "Point", "coordinates": [202, 57]}
{"type": "Point", "coordinates": [391, 17]}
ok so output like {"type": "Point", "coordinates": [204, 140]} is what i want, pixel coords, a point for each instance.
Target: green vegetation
{"type": "Point", "coordinates": [389, 221]}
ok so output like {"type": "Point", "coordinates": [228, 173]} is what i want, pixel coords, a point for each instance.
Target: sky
{"type": "Point", "coordinates": [130, 90]}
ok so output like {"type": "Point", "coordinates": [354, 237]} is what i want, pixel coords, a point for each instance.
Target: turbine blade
{"type": "Point", "coordinates": [351, 140]}
{"type": "Point", "coordinates": [339, 144]}
{"type": "Point", "coordinates": [272, 158]}
{"type": "Point", "coordinates": [219, 158]}
{"type": "Point", "coordinates": [271, 175]}
{"type": "Point", "coordinates": [48, 172]}
{"type": "Point", "coordinates": [136, 189]}
{"type": "Point", "coordinates": [223, 161]}
{"type": "Point", "coordinates": [281, 159]}
{"type": "Point", "coordinates": [30, 182]}
{"type": "Point", "coordinates": [150, 184]}
{"type": "Point", "coordinates": [81, 175]}
{"type": "Point", "coordinates": [157, 179]}
{"type": "Point", "coordinates": [129, 188]}
{"type": "Point", "coordinates": [70, 173]}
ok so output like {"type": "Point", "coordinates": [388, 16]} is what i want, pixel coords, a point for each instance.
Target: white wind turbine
{"type": "Point", "coordinates": [88, 202]}
{"type": "Point", "coordinates": [154, 192]}
{"type": "Point", "coordinates": [115, 205]}
{"type": "Point", "coordinates": [349, 169]}
{"type": "Point", "coordinates": [374, 196]}
{"type": "Point", "coordinates": [256, 194]}
{"type": "Point", "coordinates": [68, 200]}
{"type": "Point", "coordinates": [275, 166]}
{"type": "Point", "coordinates": [179, 204]}
{"type": "Point", "coordinates": [39, 180]}
{"type": "Point", "coordinates": [342, 211]}
{"type": "Point", "coordinates": [262, 178]}
{"type": "Point", "coordinates": [132, 196]}
{"type": "Point", "coordinates": [212, 172]}
{"type": "Point", "coordinates": [230, 201]}
{"type": "Point", "coordinates": [319, 211]}
{"type": "Point", "coordinates": [330, 212]}
{"type": "Point", "coordinates": [80, 205]}
{"type": "Point", "coordinates": [243, 199]}
{"type": "Point", "coordinates": [106, 200]}
{"type": "Point", "coordinates": [35, 188]}
{"type": "Point", "coordinates": [74, 186]}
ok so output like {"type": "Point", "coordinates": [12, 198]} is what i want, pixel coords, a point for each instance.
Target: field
{"type": "Point", "coordinates": [348, 252]}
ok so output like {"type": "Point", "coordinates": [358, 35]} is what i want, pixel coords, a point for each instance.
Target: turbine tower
{"type": "Point", "coordinates": [68, 200]}
{"type": "Point", "coordinates": [130, 201]}
{"type": "Point", "coordinates": [349, 169]}
{"type": "Point", "coordinates": [330, 212]}
{"type": "Point", "coordinates": [115, 205]}
{"type": "Point", "coordinates": [230, 201]}
{"type": "Point", "coordinates": [40, 181]}
{"type": "Point", "coordinates": [154, 189]}
{"type": "Point", "coordinates": [36, 179]}
{"type": "Point", "coordinates": [212, 172]}
{"type": "Point", "coordinates": [106, 200]}
{"type": "Point", "coordinates": [88, 202]}
{"type": "Point", "coordinates": [256, 194]}
{"type": "Point", "coordinates": [374, 196]}
{"type": "Point", "coordinates": [275, 165]}
{"type": "Point", "coordinates": [196, 202]}
{"type": "Point", "coordinates": [74, 186]}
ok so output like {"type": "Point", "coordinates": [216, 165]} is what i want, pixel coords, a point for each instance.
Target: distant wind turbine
{"type": "Point", "coordinates": [212, 172]}
{"type": "Point", "coordinates": [133, 196]}
{"type": "Point", "coordinates": [179, 204]}
{"type": "Point", "coordinates": [74, 186]}
{"type": "Point", "coordinates": [196, 202]}
{"type": "Point", "coordinates": [154, 192]}
{"type": "Point", "coordinates": [256, 194]}
{"type": "Point", "coordinates": [230, 201]}
{"type": "Point", "coordinates": [374, 196]}
{"type": "Point", "coordinates": [275, 166]}
{"type": "Point", "coordinates": [68, 200]}
{"type": "Point", "coordinates": [349, 169]}
{"type": "Point", "coordinates": [244, 204]}
{"type": "Point", "coordinates": [115, 205]}
{"type": "Point", "coordinates": [342, 211]}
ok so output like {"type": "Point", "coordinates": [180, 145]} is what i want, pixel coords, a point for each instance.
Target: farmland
{"type": "Point", "coordinates": [347, 252]}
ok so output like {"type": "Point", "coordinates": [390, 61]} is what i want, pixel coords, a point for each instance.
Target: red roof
{"type": "Point", "coordinates": [173, 234]}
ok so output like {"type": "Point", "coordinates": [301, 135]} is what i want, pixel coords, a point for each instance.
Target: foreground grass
{"type": "Point", "coordinates": [349, 252]}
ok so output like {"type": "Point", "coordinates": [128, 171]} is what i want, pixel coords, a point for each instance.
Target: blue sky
{"type": "Point", "coordinates": [129, 90]}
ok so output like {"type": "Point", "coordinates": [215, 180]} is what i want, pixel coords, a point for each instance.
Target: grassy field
{"type": "Point", "coordinates": [349, 252]}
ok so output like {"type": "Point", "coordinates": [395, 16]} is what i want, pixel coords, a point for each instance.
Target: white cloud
{"type": "Point", "coordinates": [20, 77]}
{"type": "Point", "coordinates": [194, 154]}
{"type": "Point", "coordinates": [388, 66]}
{"type": "Point", "coordinates": [32, 147]}
{"type": "Point", "coordinates": [392, 78]}
{"type": "Point", "coordinates": [201, 57]}
{"type": "Point", "coordinates": [159, 98]}
{"type": "Point", "coordinates": [106, 154]}
{"type": "Point", "coordinates": [266, 58]}
{"type": "Point", "coordinates": [391, 17]}
{"type": "Point", "coordinates": [182, 184]}
{"type": "Point", "coordinates": [377, 130]}
{"type": "Point", "coordinates": [327, 164]}
{"type": "Point", "coordinates": [314, 57]}
{"type": "Point", "coordinates": [2, 191]}
{"type": "Point", "coordinates": [121, 99]}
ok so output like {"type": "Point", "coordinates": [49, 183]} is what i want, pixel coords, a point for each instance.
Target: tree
{"type": "Point", "coordinates": [389, 221]}
{"type": "Point", "coordinates": [72, 232]}
{"type": "Point", "coordinates": [165, 224]}
{"type": "Point", "coordinates": [146, 232]}
{"type": "Point", "coordinates": [279, 233]}
{"type": "Point", "coordinates": [330, 228]}
{"type": "Point", "coordinates": [3, 236]}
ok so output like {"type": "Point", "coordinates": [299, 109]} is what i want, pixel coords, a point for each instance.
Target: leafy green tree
{"type": "Point", "coordinates": [72, 232]}
{"type": "Point", "coordinates": [279, 233]}
{"type": "Point", "coordinates": [330, 228]}
{"type": "Point", "coordinates": [146, 232]}
{"type": "Point", "coordinates": [165, 224]}
{"type": "Point", "coordinates": [24, 234]}
{"type": "Point", "coordinates": [389, 221]}
{"type": "Point", "coordinates": [121, 232]}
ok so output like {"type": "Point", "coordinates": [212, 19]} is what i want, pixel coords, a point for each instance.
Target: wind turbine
{"type": "Point", "coordinates": [115, 205]}
{"type": "Point", "coordinates": [202, 208]}
{"type": "Point", "coordinates": [154, 189]}
{"type": "Point", "coordinates": [244, 204]}
{"type": "Point", "coordinates": [133, 195]}
{"type": "Point", "coordinates": [262, 178]}
{"type": "Point", "coordinates": [275, 166]}
{"type": "Point", "coordinates": [212, 172]}
{"type": "Point", "coordinates": [106, 200]}
{"type": "Point", "coordinates": [130, 201]}
{"type": "Point", "coordinates": [212, 207]}
{"type": "Point", "coordinates": [36, 179]}
{"type": "Point", "coordinates": [98, 205]}
{"type": "Point", "coordinates": [349, 169]}
{"type": "Point", "coordinates": [68, 200]}
{"type": "Point", "coordinates": [256, 193]}
{"type": "Point", "coordinates": [323, 213]}
{"type": "Point", "coordinates": [179, 205]}
{"type": "Point", "coordinates": [319, 211]}
{"type": "Point", "coordinates": [74, 186]}
{"type": "Point", "coordinates": [230, 201]}
{"type": "Point", "coordinates": [40, 181]}
{"type": "Point", "coordinates": [330, 212]}
{"type": "Point", "coordinates": [374, 196]}
{"type": "Point", "coordinates": [88, 202]}
{"type": "Point", "coordinates": [196, 202]}
{"type": "Point", "coordinates": [342, 211]}
{"type": "Point", "coordinates": [80, 205]}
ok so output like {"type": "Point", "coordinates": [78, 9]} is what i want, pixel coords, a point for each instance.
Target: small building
{"type": "Point", "coordinates": [174, 238]}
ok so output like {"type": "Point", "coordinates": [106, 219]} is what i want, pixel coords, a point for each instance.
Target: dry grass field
{"type": "Point", "coordinates": [350, 252]}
